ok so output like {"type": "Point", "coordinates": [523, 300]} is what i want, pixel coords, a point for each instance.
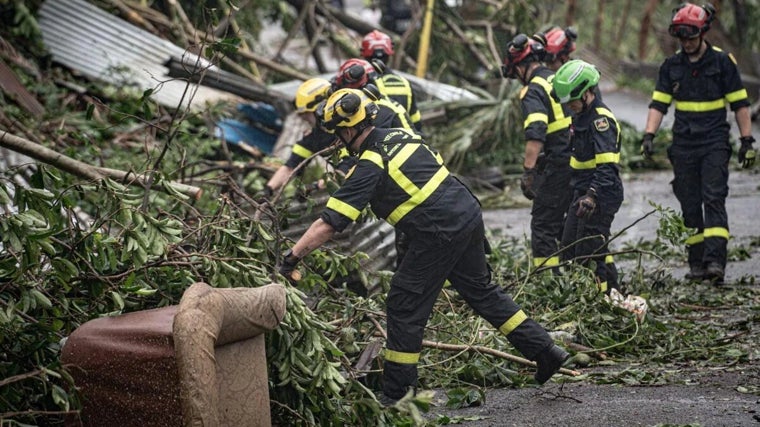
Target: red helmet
{"type": "Point", "coordinates": [558, 42]}
{"type": "Point", "coordinates": [377, 44]}
{"type": "Point", "coordinates": [690, 21]}
{"type": "Point", "coordinates": [521, 49]}
{"type": "Point", "coordinates": [354, 74]}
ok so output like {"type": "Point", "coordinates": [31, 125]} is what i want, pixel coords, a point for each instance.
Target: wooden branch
{"type": "Point", "coordinates": [492, 352]}
{"type": "Point", "coordinates": [470, 46]}
{"type": "Point", "coordinates": [84, 170]}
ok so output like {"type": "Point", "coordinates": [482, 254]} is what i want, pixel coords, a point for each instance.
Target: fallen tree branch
{"type": "Point", "coordinates": [84, 170]}
{"type": "Point", "coordinates": [490, 351]}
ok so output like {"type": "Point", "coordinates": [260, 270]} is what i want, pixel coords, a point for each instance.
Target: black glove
{"type": "Point", "coordinates": [586, 204]}
{"type": "Point", "coordinates": [526, 183]}
{"type": "Point", "coordinates": [647, 145]}
{"type": "Point", "coordinates": [747, 154]}
{"type": "Point", "coordinates": [288, 266]}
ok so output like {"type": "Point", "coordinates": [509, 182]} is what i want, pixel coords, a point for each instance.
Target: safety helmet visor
{"type": "Point", "coordinates": [684, 31]}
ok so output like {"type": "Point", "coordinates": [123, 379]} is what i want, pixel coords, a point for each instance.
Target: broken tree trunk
{"type": "Point", "coordinates": [84, 170]}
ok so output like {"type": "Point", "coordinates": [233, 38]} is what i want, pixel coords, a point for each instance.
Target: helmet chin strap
{"type": "Point", "coordinates": [350, 142]}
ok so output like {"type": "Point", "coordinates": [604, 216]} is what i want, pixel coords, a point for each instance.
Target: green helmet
{"type": "Point", "coordinates": [573, 79]}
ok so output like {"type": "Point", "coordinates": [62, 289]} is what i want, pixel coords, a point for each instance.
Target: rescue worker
{"type": "Point", "coordinates": [360, 74]}
{"type": "Point", "coordinates": [405, 182]}
{"type": "Point", "coordinates": [701, 79]}
{"type": "Point", "coordinates": [597, 187]}
{"type": "Point", "coordinates": [558, 45]}
{"type": "Point", "coordinates": [546, 129]}
{"type": "Point", "coordinates": [308, 97]}
{"type": "Point", "coordinates": [377, 47]}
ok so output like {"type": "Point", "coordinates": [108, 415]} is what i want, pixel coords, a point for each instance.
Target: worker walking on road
{"type": "Point", "coordinates": [702, 80]}
{"type": "Point", "coordinates": [405, 182]}
{"type": "Point", "coordinates": [546, 168]}
{"type": "Point", "coordinates": [597, 187]}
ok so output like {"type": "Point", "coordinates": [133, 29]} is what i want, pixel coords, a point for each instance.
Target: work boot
{"type": "Point", "coordinates": [696, 273]}
{"type": "Point", "coordinates": [386, 401]}
{"type": "Point", "coordinates": [714, 273]}
{"type": "Point", "coordinates": [548, 362]}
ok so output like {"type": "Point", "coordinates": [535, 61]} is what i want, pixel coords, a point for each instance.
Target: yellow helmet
{"type": "Point", "coordinates": [311, 93]}
{"type": "Point", "coordinates": [348, 108]}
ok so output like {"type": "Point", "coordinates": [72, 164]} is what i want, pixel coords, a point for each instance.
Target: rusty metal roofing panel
{"type": "Point", "coordinates": [104, 47]}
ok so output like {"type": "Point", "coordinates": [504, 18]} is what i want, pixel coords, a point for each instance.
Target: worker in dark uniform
{"type": "Point", "coordinates": [702, 80]}
{"type": "Point", "coordinates": [308, 97]}
{"type": "Point", "coordinates": [558, 45]}
{"type": "Point", "coordinates": [377, 47]}
{"type": "Point", "coordinates": [546, 128]}
{"type": "Point", "coordinates": [360, 74]}
{"type": "Point", "coordinates": [597, 188]}
{"type": "Point", "coordinates": [405, 182]}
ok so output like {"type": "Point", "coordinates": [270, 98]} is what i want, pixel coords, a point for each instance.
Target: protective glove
{"type": "Point", "coordinates": [647, 145]}
{"type": "Point", "coordinates": [586, 204]}
{"type": "Point", "coordinates": [288, 266]}
{"type": "Point", "coordinates": [526, 183]}
{"type": "Point", "coordinates": [747, 154]}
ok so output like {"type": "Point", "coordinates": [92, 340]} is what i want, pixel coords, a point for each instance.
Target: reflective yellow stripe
{"type": "Point", "coordinates": [535, 117]}
{"type": "Point", "coordinates": [609, 259]}
{"type": "Point", "coordinates": [401, 357]}
{"type": "Point", "coordinates": [419, 196]}
{"type": "Point", "coordinates": [416, 117]}
{"type": "Point", "coordinates": [697, 238]}
{"type": "Point", "coordinates": [302, 151]}
{"type": "Point", "coordinates": [560, 121]}
{"type": "Point", "coordinates": [737, 96]}
{"type": "Point", "coordinates": [700, 107]}
{"type": "Point", "coordinates": [559, 125]}
{"type": "Point", "coordinates": [602, 287]}
{"type": "Point", "coordinates": [343, 208]}
{"type": "Point", "coordinates": [343, 153]}
{"type": "Point", "coordinates": [513, 322]}
{"type": "Point", "coordinates": [399, 110]}
{"type": "Point", "coordinates": [716, 232]}
{"type": "Point", "coordinates": [546, 262]}
{"type": "Point", "coordinates": [588, 164]}
{"type": "Point", "coordinates": [662, 97]}
{"type": "Point", "coordinates": [373, 157]}
{"type": "Point", "coordinates": [607, 158]}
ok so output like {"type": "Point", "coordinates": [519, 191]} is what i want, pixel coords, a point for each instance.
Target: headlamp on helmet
{"type": "Point", "coordinates": [691, 21]}
{"type": "Point", "coordinates": [520, 49]}
{"type": "Point", "coordinates": [348, 108]}
{"type": "Point", "coordinates": [355, 74]}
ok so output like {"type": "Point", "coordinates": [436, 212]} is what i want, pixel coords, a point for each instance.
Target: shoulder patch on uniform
{"type": "Point", "coordinates": [523, 91]}
{"type": "Point", "coordinates": [731, 57]}
{"type": "Point", "coordinates": [601, 124]}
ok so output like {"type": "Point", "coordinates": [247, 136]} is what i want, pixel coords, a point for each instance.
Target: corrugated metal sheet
{"type": "Point", "coordinates": [431, 90]}
{"type": "Point", "coordinates": [104, 47]}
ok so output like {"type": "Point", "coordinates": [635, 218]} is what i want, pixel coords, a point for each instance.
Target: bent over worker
{"type": "Point", "coordinates": [701, 79]}
{"type": "Point", "coordinates": [546, 167]}
{"type": "Point", "coordinates": [597, 187]}
{"type": "Point", "coordinates": [308, 97]}
{"type": "Point", "coordinates": [405, 182]}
